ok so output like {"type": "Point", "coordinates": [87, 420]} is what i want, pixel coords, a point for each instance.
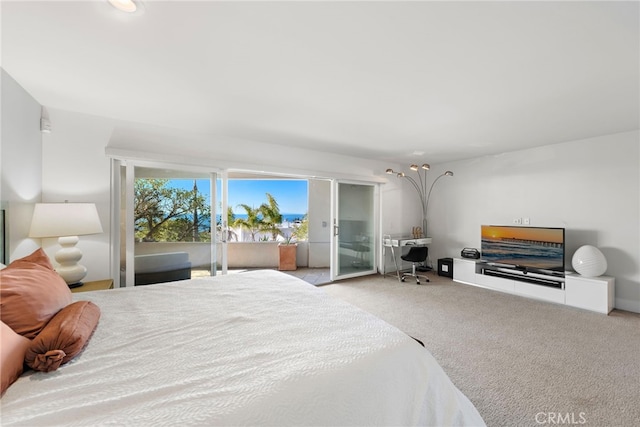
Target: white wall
{"type": "Point", "coordinates": [20, 164]}
{"type": "Point", "coordinates": [76, 169]}
{"type": "Point", "coordinates": [590, 187]}
{"type": "Point", "coordinates": [180, 147]}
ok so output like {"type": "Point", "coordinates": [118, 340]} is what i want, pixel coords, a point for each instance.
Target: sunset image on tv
{"type": "Point", "coordinates": [533, 247]}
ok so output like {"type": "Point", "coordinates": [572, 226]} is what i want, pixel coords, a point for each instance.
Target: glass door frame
{"type": "Point", "coordinates": [224, 226]}
{"type": "Point", "coordinates": [120, 184]}
{"type": "Point", "coordinates": [335, 224]}
{"type": "Point", "coordinates": [124, 188]}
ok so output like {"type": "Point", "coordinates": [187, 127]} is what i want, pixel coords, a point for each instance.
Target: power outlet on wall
{"type": "Point", "coordinates": [517, 221]}
{"type": "Point", "coordinates": [526, 221]}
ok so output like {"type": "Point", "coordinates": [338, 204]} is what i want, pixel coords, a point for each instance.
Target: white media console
{"type": "Point", "coordinates": [590, 293]}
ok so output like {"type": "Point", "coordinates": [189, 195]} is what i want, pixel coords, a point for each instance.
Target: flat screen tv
{"type": "Point", "coordinates": [527, 248]}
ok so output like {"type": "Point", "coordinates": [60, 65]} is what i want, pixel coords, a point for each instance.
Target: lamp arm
{"type": "Point", "coordinates": [431, 188]}
{"type": "Point", "coordinates": [423, 203]}
{"type": "Point", "coordinates": [420, 193]}
{"type": "Point", "coordinates": [421, 186]}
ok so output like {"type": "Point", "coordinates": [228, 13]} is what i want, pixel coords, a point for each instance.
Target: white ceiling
{"type": "Point", "coordinates": [379, 80]}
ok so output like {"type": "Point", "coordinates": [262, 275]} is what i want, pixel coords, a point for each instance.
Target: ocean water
{"type": "Point", "coordinates": [523, 253]}
{"type": "Point", "coordinates": [286, 217]}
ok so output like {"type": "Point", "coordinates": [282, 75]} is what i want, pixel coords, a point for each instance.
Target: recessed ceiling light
{"type": "Point", "coordinates": [124, 5]}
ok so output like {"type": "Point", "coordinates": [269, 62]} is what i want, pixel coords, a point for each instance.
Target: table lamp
{"type": "Point", "coordinates": [66, 221]}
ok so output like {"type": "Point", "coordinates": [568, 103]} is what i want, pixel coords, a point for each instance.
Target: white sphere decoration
{"type": "Point", "coordinates": [589, 261]}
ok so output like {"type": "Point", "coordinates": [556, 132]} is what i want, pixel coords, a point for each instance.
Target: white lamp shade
{"type": "Point", "coordinates": [64, 219]}
{"type": "Point", "coordinates": [589, 261]}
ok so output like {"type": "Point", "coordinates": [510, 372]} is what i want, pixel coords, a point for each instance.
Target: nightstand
{"type": "Point", "coordinates": [98, 285]}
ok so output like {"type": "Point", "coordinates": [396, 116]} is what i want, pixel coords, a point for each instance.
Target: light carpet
{"type": "Point", "coordinates": [522, 362]}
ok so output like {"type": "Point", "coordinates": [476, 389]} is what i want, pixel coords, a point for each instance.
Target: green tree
{"type": "Point", "coordinates": [164, 213]}
{"type": "Point", "coordinates": [265, 218]}
{"type": "Point", "coordinates": [271, 216]}
{"type": "Point", "coordinates": [231, 218]}
{"type": "Point", "coordinates": [253, 222]}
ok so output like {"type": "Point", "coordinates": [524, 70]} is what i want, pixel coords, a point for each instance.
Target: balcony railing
{"type": "Point", "coordinates": [239, 254]}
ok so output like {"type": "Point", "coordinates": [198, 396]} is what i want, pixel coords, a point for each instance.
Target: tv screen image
{"type": "Point", "coordinates": [536, 248]}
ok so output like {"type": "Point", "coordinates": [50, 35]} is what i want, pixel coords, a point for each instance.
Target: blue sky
{"type": "Point", "coordinates": [291, 195]}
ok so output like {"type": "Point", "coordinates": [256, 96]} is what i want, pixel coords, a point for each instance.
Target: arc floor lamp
{"type": "Point", "coordinates": [420, 184]}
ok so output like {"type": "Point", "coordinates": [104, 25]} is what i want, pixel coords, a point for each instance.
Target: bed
{"type": "Point", "coordinates": [254, 348]}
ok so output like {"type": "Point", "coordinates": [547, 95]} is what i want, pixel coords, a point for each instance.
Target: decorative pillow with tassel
{"type": "Point", "coordinates": [64, 337]}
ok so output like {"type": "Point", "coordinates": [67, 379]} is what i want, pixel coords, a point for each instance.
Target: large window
{"type": "Point", "coordinates": [178, 210]}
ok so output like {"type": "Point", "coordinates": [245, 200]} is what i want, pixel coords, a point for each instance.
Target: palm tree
{"type": "Point", "coordinates": [231, 219]}
{"type": "Point", "coordinates": [253, 223]}
{"type": "Point", "coordinates": [271, 216]}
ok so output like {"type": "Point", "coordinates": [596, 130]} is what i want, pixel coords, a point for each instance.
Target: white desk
{"type": "Point", "coordinates": [393, 242]}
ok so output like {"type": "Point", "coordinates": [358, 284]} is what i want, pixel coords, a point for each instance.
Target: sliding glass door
{"type": "Point", "coordinates": [167, 222]}
{"type": "Point", "coordinates": [354, 229]}
{"type": "Point", "coordinates": [164, 209]}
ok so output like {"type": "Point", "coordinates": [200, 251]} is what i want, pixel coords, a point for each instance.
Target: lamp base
{"type": "Point", "coordinates": [68, 257]}
{"type": "Point", "coordinates": [75, 285]}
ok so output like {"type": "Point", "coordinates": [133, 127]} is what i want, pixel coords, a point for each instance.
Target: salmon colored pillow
{"type": "Point", "coordinates": [39, 257]}
{"type": "Point", "coordinates": [13, 348]}
{"type": "Point", "coordinates": [31, 293]}
{"type": "Point", "coordinates": [64, 337]}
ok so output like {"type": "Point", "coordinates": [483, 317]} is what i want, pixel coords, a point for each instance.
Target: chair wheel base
{"type": "Point", "coordinates": [424, 278]}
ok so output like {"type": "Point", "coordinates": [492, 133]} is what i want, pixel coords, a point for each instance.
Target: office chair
{"type": "Point", "coordinates": [416, 255]}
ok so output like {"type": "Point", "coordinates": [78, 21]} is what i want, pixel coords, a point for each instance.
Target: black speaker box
{"type": "Point", "coordinates": [445, 267]}
{"type": "Point", "coordinates": [470, 253]}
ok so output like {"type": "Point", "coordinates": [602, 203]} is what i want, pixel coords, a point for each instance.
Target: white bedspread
{"type": "Point", "coordinates": [256, 348]}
